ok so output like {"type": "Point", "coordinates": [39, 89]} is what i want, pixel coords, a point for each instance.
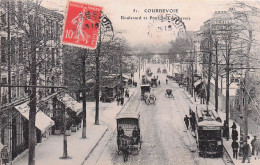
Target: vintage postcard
{"type": "Point", "coordinates": [140, 82]}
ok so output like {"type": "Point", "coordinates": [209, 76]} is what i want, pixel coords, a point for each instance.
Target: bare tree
{"type": "Point", "coordinates": [28, 20]}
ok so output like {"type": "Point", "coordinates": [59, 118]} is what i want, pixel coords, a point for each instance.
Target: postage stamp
{"type": "Point", "coordinates": [81, 25]}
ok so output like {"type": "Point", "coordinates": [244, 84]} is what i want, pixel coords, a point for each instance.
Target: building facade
{"type": "Point", "coordinates": [16, 20]}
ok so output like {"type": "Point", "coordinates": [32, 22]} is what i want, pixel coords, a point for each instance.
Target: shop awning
{"type": "Point", "coordinates": [42, 121]}
{"type": "Point", "coordinates": [126, 76]}
{"type": "Point", "coordinates": [197, 83]}
{"type": "Point", "coordinates": [70, 103]}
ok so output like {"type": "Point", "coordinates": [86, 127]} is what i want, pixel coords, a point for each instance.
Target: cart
{"type": "Point", "coordinates": [145, 88]}
{"type": "Point", "coordinates": [168, 93]}
{"type": "Point", "coordinates": [150, 98]}
{"type": "Point", "coordinates": [128, 142]}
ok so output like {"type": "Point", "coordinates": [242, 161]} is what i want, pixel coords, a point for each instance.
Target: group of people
{"type": "Point", "coordinates": [135, 134]}
{"type": "Point", "coordinates": [190, 121]}
{"type": "Point", "coordinates": [120, 100]}
{"type": "Point", "coordinates": [234, 143]}
{"type": "Point", "coordinates": [120, 96]}
{"type": "Point", "coordinates": [245, 147]}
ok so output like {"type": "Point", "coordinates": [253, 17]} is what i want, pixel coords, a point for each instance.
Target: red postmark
{"type": "Point", "coordinates": [81, 25]}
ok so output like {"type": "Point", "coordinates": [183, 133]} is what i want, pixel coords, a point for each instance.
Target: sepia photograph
{"type": "Point", "coordinates": [129, 82]}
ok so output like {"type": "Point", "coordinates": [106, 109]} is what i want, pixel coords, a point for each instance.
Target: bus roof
{"type": "Point", "coordinates": [208, 118]}
{"type": "Point", "coordinates": [128, 115]}
{"type": "Point", "coordinates": [145, 85]}
{"type": "Point", "coordinates": [210, 123]}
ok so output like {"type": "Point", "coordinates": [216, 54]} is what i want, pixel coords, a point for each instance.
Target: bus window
{"type": "Point", "coordinates": [209, 134]}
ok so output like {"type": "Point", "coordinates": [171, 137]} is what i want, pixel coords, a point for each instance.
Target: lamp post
{"type": "Point", "coordinates": [139, 66]}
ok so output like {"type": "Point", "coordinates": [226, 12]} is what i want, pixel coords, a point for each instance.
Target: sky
{"type": "Point", "coordinates": [149, 31]}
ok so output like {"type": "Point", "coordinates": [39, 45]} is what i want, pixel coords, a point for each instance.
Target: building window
{"type": "Point", "coordinates": [13, 50]}
{"type": "Point", "coordinates": [12, 12]}
{"type": "Point", "coordinates": [20, 12]}
{"type": "Point", "coordinates": [57, 56]}
{"type": "Point", "coordinates": [20, 49]}
{"type": "Point", "coordinates": [57, 30]}
{"type": "Point", "coordinates": [3, 18]}
{"type": "Point", "coordinates": [4, 95]}
{"type": "Point", "coordinates": [53, 56]}
{"type": "Point", "coordinates": [4, 80]}
{"type": "Point", "coordinates": [13, 82]}
{"type": "Point", "coordinates": [3, 50]}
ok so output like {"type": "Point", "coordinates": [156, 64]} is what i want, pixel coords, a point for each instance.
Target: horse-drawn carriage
{"type": "Point", "coordinates": [128, 134]}
{"type": "Point", "coordinates": [168, 93]}
{"type": "Point", "coordinates": [149, 72]}
{"type": "Point", "coordinates": [154, 82]}
{"type": "Point", "coordinates": [149, 98]}
{"type": "Point", "coordinates": [145, 88]}
{"type": "Point", "coordinates": [164, 71]}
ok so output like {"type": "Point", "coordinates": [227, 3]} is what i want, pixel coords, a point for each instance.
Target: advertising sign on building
{"type": "Point", "coordinates": [82, 24]}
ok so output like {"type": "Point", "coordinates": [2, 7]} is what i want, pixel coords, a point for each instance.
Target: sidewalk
{"type": "Point", "coordinates": [49, 151]}
{"type": "Point", "coordinates": [227, 144]}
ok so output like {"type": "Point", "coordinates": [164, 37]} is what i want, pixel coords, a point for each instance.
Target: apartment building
{"type": "Point", "coordinates": [15, 21]}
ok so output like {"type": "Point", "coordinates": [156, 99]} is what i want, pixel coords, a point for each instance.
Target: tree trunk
{"type": "Point", "coordinates": [246, 87]}
{"type": "Point", "coordinates": [227, 90]}
{"type": "Point", "coordinates": [65, 146]}
{"type": "Point", "coordinates": [84, 129]}
{"type": "Point", "coordinates": [9, 74]}
{"type": "Point", "coordinates": [209, 77]}
{"type": "Point", "coordinates": [32, 104]}
{"type": "Point", "coordinates": [97, 86]}
{"type": "Point", "coordinates": [192, 80]}
{"type": "Point", "coordinates": [216, 80]}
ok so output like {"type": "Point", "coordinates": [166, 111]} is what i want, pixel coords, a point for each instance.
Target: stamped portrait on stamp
{"type": "Point", "coordinates": [81, 25]}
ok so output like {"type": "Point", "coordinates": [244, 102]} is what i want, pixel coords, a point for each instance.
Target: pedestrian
{"type": "Point", "coordinates": [186, 120]}
{"type": "Point", "coordinates": [234, 146]}
{"type": "Point", "coordinates": [234, 134]}
{"type": "Point", "coordinates": [246, 151]}
{"type": "Point", "coordinates": [192, 121]}
{"type": "Point", "coordinates": [159, 82]}
{"type": "Point", "coordinates": [234, 126]}
{"type": "Point", "coordinates": [225, 127]}
{"type": "Point", "coordinates": [257, 148]}
{"type": "Point", "coordinates": [127, 93]}
{"type": "Point", "coordinates": [118, 100]}
{"type": "Point", "coordinates": [135, 135]}
{"type": "Point", "coordinates": [253, 145]}
{"type": "Point", "coordinates": [122, 91]}
{"type": "Point", "coordinates": [120, 132]}
{"type": "Point", "coordinates": [122, 100]}
{"type": "Point", "coordinates": [5, 155]}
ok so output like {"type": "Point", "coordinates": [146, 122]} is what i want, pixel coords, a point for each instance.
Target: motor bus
{"type": "Point", "coordinates": [208, 131]}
